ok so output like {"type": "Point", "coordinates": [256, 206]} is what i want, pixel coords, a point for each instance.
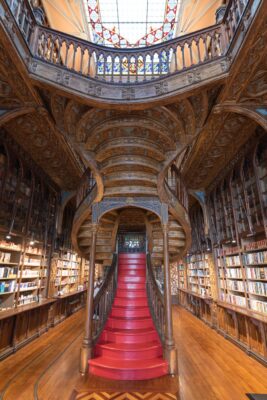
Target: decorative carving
{"type": "Point", "coordinates": [128, 93]}
{"type": "Point", "coordinates": [94, 89]}
{"type": "Point", "coordinates": [161, 88]}
{"type": "Point", "coordinates": [193, 77]}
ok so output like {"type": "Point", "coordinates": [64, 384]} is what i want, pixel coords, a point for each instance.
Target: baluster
{"type": "Point", "coordinates": [183, 58]}
{"type": "Point", "coordinates": [81, 64]}
{"type": "Point", "coordinates": [112, 67]}
{"type": "Point", "coordinates": [59, 51]}
{"type": "Point", "coordinates": [75, 48]}
{"type": "Point", "coordinates": [175, 59]}
{"type": "Point", "coordinates": [144, 61]}
{"type": "Point", "coordinates": [205, 48]}
{"type": "Point", "coordinates": [190, 53]}
{"type": "Point", "coordinates": [67, 54]}
{"type": "Point", "coordinates": [104, 66]}
{"type": "Point", "coordinates": [160, 63]}
{"type": "Point", "coordinates": [120, 61]}
{"type": "Point", "coordinates": [51, 48]}
{"type": "Point", "coordinates": [128, 63]}
{"type": "Point", "coordinates": [136, 72]}
{"type": "Point", "coordinates": [198, 51]}
{"type": "Point", "coordinates": [18, 10]}
{"type": "Point", "coordinates": [89, 61]}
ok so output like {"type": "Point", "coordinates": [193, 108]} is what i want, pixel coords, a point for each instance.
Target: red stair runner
{"type": "Point", "coordinates": [129, 347]}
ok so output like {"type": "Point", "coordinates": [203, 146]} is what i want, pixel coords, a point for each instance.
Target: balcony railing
{"type": "Point", "coordinates": [131, 65]}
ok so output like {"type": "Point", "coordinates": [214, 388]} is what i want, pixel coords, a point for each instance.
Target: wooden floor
{"type": "Point", "coordinates": [210, 367]}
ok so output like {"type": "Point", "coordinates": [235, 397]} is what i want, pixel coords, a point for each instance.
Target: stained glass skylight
{"type": "Point", "coordinates": [134, 23]}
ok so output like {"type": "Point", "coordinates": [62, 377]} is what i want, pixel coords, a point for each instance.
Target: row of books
{"type": "Point", "coordinates": [5, 257]}
{"type": "Point", "coordinates": [233, 299]}
{"type": "Point", "coordinates": [26, 299]}
{"type": "Point", "coordinates": [198, 265]}
{"type": "Point", "coordinates": [259, 288]}
{"type": "Point", "coordinates": [66, 272]}
{"type": "Point", "coordinates": [255, 258]}
{"type": "Point", "coordinates": [26, 285]}
{"type": "Point", "coordinates": [257, 305]}
{"type": "Point", "coordinates": [229, 261]}
{"type": "Point", "coordinates": [233, 273]}
{"type": "Point", "coordinates": [7, 272]}
{"type": "Point", "coordinates": [257, 273]}
{"type": "Point", "coordinates": [33, 261]}
{"type": "Point", "coordinates": [235, 285]}
{"type": "Point", "coordinates": [7, 286]}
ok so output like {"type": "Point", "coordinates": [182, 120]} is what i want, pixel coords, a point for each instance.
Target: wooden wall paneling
{"type": "Point", "coordinates": [6, 333]}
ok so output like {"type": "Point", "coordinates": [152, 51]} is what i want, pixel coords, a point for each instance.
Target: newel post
{"type": "Point", "coordinates": [170, 349]}
{"type": "Point", "coordinates": [87, 345]}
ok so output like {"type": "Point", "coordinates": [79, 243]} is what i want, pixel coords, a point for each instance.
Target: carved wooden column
{"type": "Point", "coordinates": [170, 349]}
{"type": "Point", "coordinates": [87, 346]}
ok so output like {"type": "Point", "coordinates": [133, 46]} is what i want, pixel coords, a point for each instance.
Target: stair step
{"type": "Point", "coordinates": [128, 312]}
{"type": "Point", "coordinates": [128, 336]}
{"type": "Point", "coordinates": [139, 272]}
{"type": "Point", "coordinates": [131, 286]}
{"type": "Point", "coordinates": [129, 323]}
{"type": "Point", "coordinates": [131, 293]}
{"type": "Point", "coordinates": [132, 256]}
{"type": "Point", "coordinates": [132, 266]}
{"type": "Point", "coordinates": [128, 370]}
{"type": "Point", "coordinates": [132, 279]}
{"type": "Point", "coordinates": [129, 302]}
{"type": "Point", "coordinates": [125, 351]}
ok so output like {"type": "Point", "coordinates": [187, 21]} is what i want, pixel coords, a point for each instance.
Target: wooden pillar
{"type": "Point", "coordinates": [87, 345]}
{"type": "Point", "coordinates": [170, 349]}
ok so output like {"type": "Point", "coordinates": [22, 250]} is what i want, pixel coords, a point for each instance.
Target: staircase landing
{"type": "Point", "coordinates": [129, 347]}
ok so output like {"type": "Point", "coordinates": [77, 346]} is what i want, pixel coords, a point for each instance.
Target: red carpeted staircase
{"type": "Point", "coordinates": [129, 347]}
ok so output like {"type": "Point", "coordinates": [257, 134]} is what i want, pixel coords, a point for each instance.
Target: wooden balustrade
{"type": "Point", "coordinates": [23, 14]}
{"type": "Point", "coordinates": [155, 300]}
{"type": "Point", "coordinates": [104, 299]}
{"type": "Point", "coordinates": [130, 65]}
{"type": "Point", "coordinates": [86, 184]}
{"type": "Point", "coordinates": [232, 18]}
{"type": "Point", "coordinates": [176, 185]}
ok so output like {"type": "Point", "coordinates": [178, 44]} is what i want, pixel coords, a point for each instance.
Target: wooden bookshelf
{"type": "Point", "coordinates": [68, 275]}
{"type": "Point", "coordinates": [236, 206]}
{"type": "Point", "coordinates": [198, 274]}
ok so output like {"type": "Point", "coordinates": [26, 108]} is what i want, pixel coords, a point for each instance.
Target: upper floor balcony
{"type": "Point", "coordinates": [133, 74]}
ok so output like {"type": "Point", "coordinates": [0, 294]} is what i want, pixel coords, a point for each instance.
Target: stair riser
{"type": "Point", "coordinates": [128, 338]}
{"type": "Point", "coordinates": [131, 293]}
{"type": "Point", "coordinates": [128, 375]}
{"type": "Point", "coordinates": [129, 324]}
{"type": "Point", "coordinates": [128, 302]}
{"type": "Point", "coordinates": [126, 313]}
{"type": "Point", "coordinates": [128, 355]}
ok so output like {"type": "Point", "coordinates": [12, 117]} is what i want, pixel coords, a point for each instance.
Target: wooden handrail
{"type": "Point", "coordinates": [130, 65]}
{"type": "Point", "coordinates": [86, 185]}
{"type": "Point", "coordinates": [175, 184]}
{"type": "Point", "coordinates": [155, 301]}
{"type": "Point", "coordinates": [104, 299]}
